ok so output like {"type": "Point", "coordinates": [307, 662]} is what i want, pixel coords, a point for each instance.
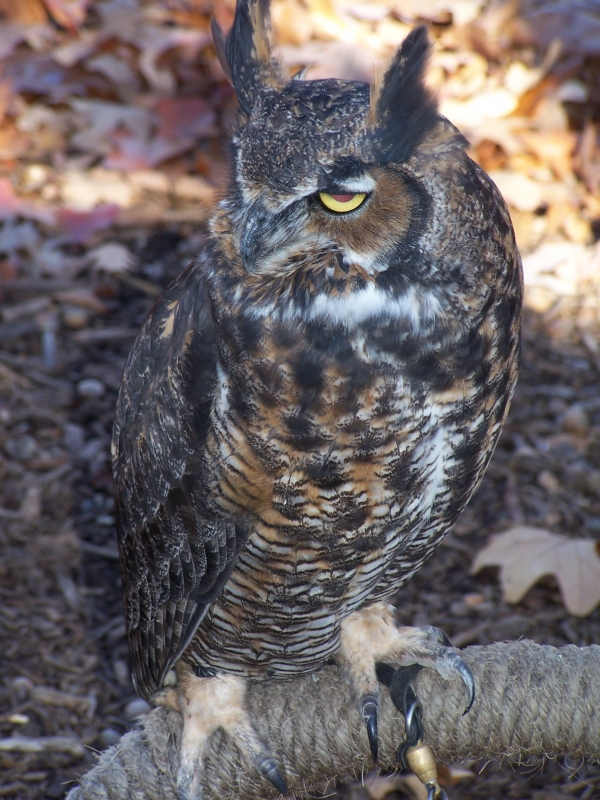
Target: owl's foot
{"type": "Point", "coordinates": [208, 703]}
{"type": "Point", "coordinates": [370, 636]}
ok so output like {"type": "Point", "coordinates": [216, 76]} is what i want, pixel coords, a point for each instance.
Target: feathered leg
{"type": "Point", "coordinates": [209, 703]}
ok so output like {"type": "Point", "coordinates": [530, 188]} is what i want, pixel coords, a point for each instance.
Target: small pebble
{"type": "Point", "coordinates": [557, 406]}
{"type": "Point", "coordinates": [21, 448]}
{"type": "Point", "coordinates": [576, 420]}
{"type": "Point", "coordinates": [110, 737]}
{"type": "Point", "coordinates": [548, 481]}
{"type": "Point", "coordinates": [22, 686]}
{"type": "Point", "coordinates": [75, 317]}
{"type": "Point", "coordinates": [592, 482]}
{"type": "Point", "coordinates": [31, 505]}
{"type": "Point", "coordinates": [90, 387]}
{"type": "Point", "coordinates": [474, 599]}
{"type": "Point", "coordinates": [592, 525]}
{"type": "Point", "coordinates": [91, 449]}
{"type": "Point", "coordinates": [137, 708]}
{"type": "Point", "coordinates": [106, 520]}
{"type": "Point", "coordinates": [74, 436]}
{"type": "Point", "coordinates": [458, 609]}
{"type": "Point", "coordinates": [121, 671]}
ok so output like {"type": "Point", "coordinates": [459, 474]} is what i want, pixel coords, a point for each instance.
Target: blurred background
{"type": "Point", "coordinates": [114, 118]}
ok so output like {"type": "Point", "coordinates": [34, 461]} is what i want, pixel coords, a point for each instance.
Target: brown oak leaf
{"type": "Point", "coordinates": [526, 554]}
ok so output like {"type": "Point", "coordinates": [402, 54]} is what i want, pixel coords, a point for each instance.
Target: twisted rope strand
{"type": "Point", "coordinates": [532, 701]}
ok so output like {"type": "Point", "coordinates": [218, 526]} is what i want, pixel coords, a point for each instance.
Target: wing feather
{"type": "Point", "coordinates": [176, 551]}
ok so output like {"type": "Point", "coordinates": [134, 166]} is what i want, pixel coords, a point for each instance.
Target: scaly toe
{"type": "Point", "coordinates": [434, 651]}
{"type": "Point", "coordinates": [437, 635]}
{"type": "Point", "coordinates": [450, 665]}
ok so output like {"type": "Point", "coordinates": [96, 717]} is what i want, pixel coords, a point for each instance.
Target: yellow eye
{"type": "Point", "coordinates": [340, 203]}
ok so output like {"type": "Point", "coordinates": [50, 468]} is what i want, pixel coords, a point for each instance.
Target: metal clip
{"type": "Point", "coordinates": [421, 761]}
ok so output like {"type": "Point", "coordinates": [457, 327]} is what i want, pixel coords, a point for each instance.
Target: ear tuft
{"type": "Point", "coordinates": [260, 19]}
{"type": "Point", "coordinates": [245, 53]}
{"type": "Point", "coordinates": [403, 109]}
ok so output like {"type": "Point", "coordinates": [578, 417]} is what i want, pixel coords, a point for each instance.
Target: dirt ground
{"type": "Point", "coordinates": [64, 337]}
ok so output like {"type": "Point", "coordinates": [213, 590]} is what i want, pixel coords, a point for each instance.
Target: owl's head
{"type": "Point", "coordinates": [321, 184]}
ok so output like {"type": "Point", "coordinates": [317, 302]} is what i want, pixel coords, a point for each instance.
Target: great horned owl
{"type": "Point", "coordinates": [310, 406]}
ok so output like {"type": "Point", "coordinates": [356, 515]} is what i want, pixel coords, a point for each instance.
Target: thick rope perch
{"type": "Point", "coordinates": [532, 701]}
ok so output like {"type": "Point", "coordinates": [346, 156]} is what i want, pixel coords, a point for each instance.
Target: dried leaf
{"type": "Point", "coordinates": [51, 259]}
{"type": "Point", "coordinates": [25, 12]}
{"type": "Point", "coordinates": [83, 190]}
{"type": "Point", "coordinates": [194, 188]}
{"type": "Point", "coordinates": [135, 152]}
{"type": "Point", "coordinates": [291, 23]}
{"type": "Point", "coordinates": [120, 18]}
{"type": "Point", "coordinates": [80, 225]}
{"type": "Point", "coordinates": [39, 74]}
{"type": "Point", "coordinates": [112, 257]}
{"type": "Point", "coordinates": [154, 41]}
{"type": "Point", "coordinates": [554, 148]}
{"type": "Point", "coordinates": [489, 104]}
{"type": "Point", "coordinates": [13, 144]}
{"type": "Point", "coordinates": [526, 554]}
{"type": "Point", "coordinates": [98, 119]}
{"type": "Point", "coordinates": [9, 202]}
{"type": "Point", "coordinates": [75, 50]}
{"type": "Point", "coordinates": [575, 25]}
{"type": "Point", "coordinates": [330, 60]}
{"type": "Point", "coordinates": [520, 78]}
{"type": "Point", "coordinates": [118, 71]}
{"type": "Point", "coordinates": [588, 157]}
{"type": "Point", "coordinates": [13, 34]}
{"type": "Point", "coordinates": [182, 117]}
{"type": "Point", "coordinates": [18, 236]}
{"type": "Point", "coordinates": [83, 297]}
{"type": "Point", "coordinates": [181, 122]}
{"type": "Point", "coordinates": [68, 13]}
{"type": "Point", "coordinates": [6, 99]}
{"type": "Point", "coordinates": [518, 190]}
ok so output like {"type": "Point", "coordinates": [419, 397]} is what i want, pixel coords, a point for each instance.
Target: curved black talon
{"type": "Point", "coordinates": [402, 676]}
{"type": "Point", "coordinates": [369, 714]}
{"type": "Point", "coordinates": [414, 722]}
{"type": "Point", "coordinates": [465, 673]}
{"type": "Point", "coordinates": [267, 767]}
